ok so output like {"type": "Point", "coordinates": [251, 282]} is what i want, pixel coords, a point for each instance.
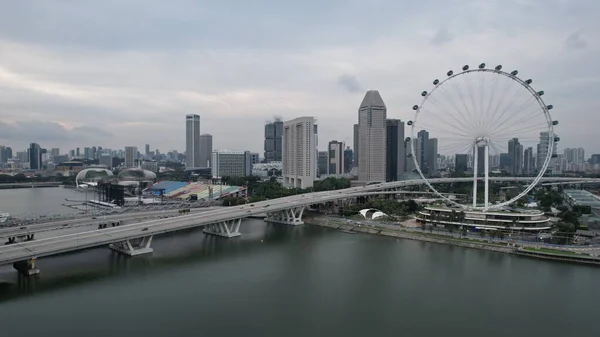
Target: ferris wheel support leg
{"type": "Point", "coordinates": [475, 160]}
{"type": "Point", "coordinates": [487, 177]}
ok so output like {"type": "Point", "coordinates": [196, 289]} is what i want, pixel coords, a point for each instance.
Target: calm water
{"type": "Point", "coordinates": [299, 281]}
{"type": "Point", "coordinates": [47, 200]}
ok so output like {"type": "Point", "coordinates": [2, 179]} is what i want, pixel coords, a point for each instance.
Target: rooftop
{"type": "Point", "coordinates": [582, 198]}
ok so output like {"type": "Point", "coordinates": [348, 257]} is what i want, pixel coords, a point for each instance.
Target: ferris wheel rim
{"type": "Point", "coordinates": [550, 130]}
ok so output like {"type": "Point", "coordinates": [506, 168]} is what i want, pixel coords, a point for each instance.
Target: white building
{"type": "Point", "coordinates": [299, 152]}
{"type": "Point", "coordinates": [192, 141]}
{"type": "Point", "coordinates": [130, 156]}
{"type": "Point", "coordinates": [372, 131]}
{"type": "Point", "coordinates": [542, 151]}
{"type": "Point", "coordinates": [227, 163]}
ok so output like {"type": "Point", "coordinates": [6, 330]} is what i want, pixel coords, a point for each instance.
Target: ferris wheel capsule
{"type": "Point", "coordinates": [415, 107]}
{"type": "Point", "coordinates": [481, 66]}
{"type": "Point", "coordinates": [465, 67]}
{"type": "Point", "coordinates": [450, 73]}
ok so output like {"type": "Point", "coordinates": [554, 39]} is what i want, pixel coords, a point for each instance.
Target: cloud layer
{"type": "Point", "coordinates": [115, 73]}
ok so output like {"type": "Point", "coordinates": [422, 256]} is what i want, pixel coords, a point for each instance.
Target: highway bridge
{"type": "Point", "coordinates": [135, 239]}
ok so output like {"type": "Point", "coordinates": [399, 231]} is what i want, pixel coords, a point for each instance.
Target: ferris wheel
{"type": "Point", "coordinates": [489, 118]}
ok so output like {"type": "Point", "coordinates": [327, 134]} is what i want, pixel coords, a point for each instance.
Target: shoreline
{"type": "Point", "coordinates": [570, 257]}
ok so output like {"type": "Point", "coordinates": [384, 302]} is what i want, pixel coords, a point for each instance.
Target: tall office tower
{"type": "Point", "coordinates": [35, 156]}
{"type": "Point", "coordinates": [147, 151]}
{"type": "Point", "coordinates": [356, 145]}
{"type": "Point", "coordinates": [106, 160]}
{"type": "Point", "coordinates": [3, 154]}
{"type": "Point", "coordinates": [542, 151]}
{"type": "Point", "coordinates": [192, 141]}
{"type": "Point", "coordinates": [515, 153]}
{"type": "Point", "coordinates": [77, 153]}
{"type": "Point", "coordinates": [395, 155]}
{"type": "Point", "coordinates": [432, 156]}
{"type": "Point", "coordinates": [410, 161]}
{"type": "Point", "coordinates": [230, 163]}
{"type": "Point", "coordinates": [372, 138]}
{"type": "Point", "coordinates": [461, 163]}
{"type": "Point", "coordinates": [55, 151]}
{"type": "Point", "coordinates": [335, 157]}
{"type": "Point", "coordinates": [528, 167]}
{"type": "Point", "coordinates": [273, 144]}
{"type": "Point", "coordinates": [130, 156]}
{"type": "Point", "coordinates": [299, 152]}
{"type": "Point", "coordinates": [206, 150]}
{"type": "Point", "coordinates": [348, 159]}
{"type": "Point", "coordinates": [94, 153]}
{"type": "Point", "coordinates": [322, 159]}
{"type": "Point", "coordinates": [423, 139]}
{"type": "Point", "coordinates": [480, 160]}
{"type": "Point", "coordinates": [254, 158]}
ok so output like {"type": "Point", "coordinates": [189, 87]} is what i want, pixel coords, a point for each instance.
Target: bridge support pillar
{"type": "Point", "coordinates": [26, 267]}
{"type": "Point", "coordinates": [292, 216]}
{"type": "Point", "coordinates": [227, 229]}
{"type": "Point", "coordinates": [133, 247]}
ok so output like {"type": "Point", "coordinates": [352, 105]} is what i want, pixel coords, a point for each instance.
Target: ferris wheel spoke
{"type": "Point", "coordinates": [469, 115]}
{"type": "Point", "coordinates": [489, 104]}
{"type": "Point", "coordinates": [455, 125]}
{"type": "Point", "coordinates": [516, 128]}
{"type": "Point", "coordinates": [519, 111]}
{"type": "Point", "coordinates": [436, 131]}
{"type": "Point", "coordinates": [467, 120]}
{"type": "Point", "coordinates": [524, 121]}
{"type": "Point", "coordinates": [465, 124]}
{"type": "Point", "coordinates": [506, 90]}
{"type": "Point", "coordinates": [510, 107]}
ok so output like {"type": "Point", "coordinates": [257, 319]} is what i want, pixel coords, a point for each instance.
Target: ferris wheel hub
{"type": "Point", "coordinates": [481, 141]}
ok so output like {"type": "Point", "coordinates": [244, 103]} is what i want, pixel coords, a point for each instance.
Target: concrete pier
{"type": "Point", "coordinates": [26, 267]}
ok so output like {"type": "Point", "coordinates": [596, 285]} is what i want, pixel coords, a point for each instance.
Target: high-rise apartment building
{"type": "Point", "coordinates": [574, 159]}
{"type": "Point", "coordinates": [130, 156]}
{"type": "Point", "coordinates": [227, 163]}
{"type": "Point", "coordinates": [273, 142]}
{"type": "Point", "coordinates": [372, 115]}
{"type": "Point", "coordinates": [335, 157]}
{"type": "Point", "coordinates": [192, 141]}
{"type": "Point", "coordinates": [55, 151]}
{"type": "Point", "coordinates": [395, 157]}
{"type": "Point", "coordinates": [206, 150]}
{"type": "Point", "coordinates": [299, 152]}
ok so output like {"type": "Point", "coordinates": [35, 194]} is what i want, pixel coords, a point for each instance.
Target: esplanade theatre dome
{"type": "Point", "coordinates": [92, 174]}
{"type": "Point", "coordinates": [136, 174]}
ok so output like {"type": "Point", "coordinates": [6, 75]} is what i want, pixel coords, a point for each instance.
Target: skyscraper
{"type": "Point", "coordinates": [273, 143]}
{"type": "Point", "coordinates": [515, 153]}
{"type": "Point", "coordinates": [461, 163]}
{"type": "Point", "coordinates": [395, 156]}
{"type": "Point", "coordinates": [431, 153]}
{"type": "Point", "coordinates": [335, 157]}
{"type": "Point", "coordinates": [206, 150]}
{"type": "Point", "coordinates": [35, 156]}
{"type": "Point", "coordinates": [356, 144]}
{"type": "Point", "coordinates": [192, 141]}
{"type": "Point", "coordinates": [528, 167]}
{"type": "Point", "coordinates": [481, 160]}
{"type": "Point", "coordinates": [348, 159]}
{"type": "Point", "coordinates": [542, 151]}
{"type": "Point", "coordinates": [372, 138]}
{"type": "Point", "coordinates": [130, 156]}
{"type": "Point", "coordinates": [147, 152]}
{"type": "Point", "coordinates": [299, 152]}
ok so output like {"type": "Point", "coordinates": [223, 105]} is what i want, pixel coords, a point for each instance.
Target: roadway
{"type": "Point", "coordinates": [88, 221]}
{"type": "Point", "coordinates": [99, 237]}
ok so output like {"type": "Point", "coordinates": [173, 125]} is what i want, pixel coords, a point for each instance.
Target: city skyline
{"type": "Point", "coordinates": [65, 85]}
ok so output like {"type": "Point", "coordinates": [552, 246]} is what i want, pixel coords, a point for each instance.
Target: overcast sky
{"type": "Point", "coordinates": [116, 73]}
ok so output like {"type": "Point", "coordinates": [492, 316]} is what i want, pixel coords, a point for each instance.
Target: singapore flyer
{"type": "Point", "coordinates": [487, 120]}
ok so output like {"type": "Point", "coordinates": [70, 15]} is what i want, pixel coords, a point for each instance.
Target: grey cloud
{"type": "Point", "coordinates": [442, 36]}
{"type": "Point", "coordinates": [32, 131]}
{"type": "Point", "coordinates": [350, 83]}
{"type": "Point", "coordinates": [575, 41]}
